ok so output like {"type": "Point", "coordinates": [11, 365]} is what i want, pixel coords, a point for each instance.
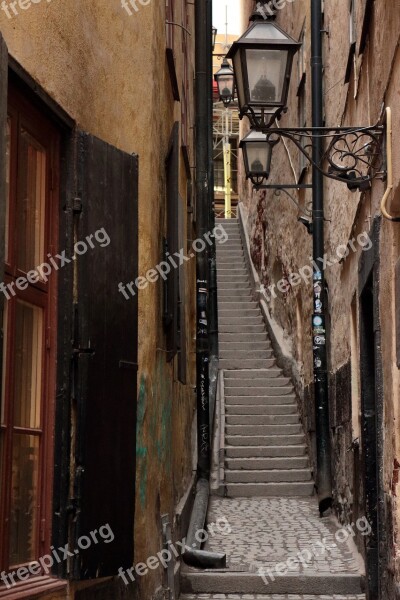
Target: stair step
{"type": "Point", "coordinates": [256, 353]}
{"type": "Point", "coordinates": [234, 285]}
{"type": "Point", "coordinates": [245, 490]}
{"type": "Point", "coordinates": [235, 293]}
{"type": "Point", "coordinates": [258, 391]}
{"type": "Point", "coordinates": [291, 586]}
{"type": "Point", "coordinates": [230, 278]}
{"type": "Point", "coordinates": [236, 313]}
{"type": "Point", "coordinates": [249, 363]}
{"type": "Point", "coordinates": [238, 328]}
{"type": "Point", "coordinates": [283, 452]}
{"type": "Point", "coordinates": [266, 430]}
{"type": "Point", "coordinates": [292, 419]}
{"type": "Point", "coordinates": [242, 346]}
{"type": "Point", "coordinates": [243, 337]}
{"type": "Point", "coordinates": [267, 382]}
{"type": "Point", "coordinates": [268, 476]}
{"type": "Point", "coordinates": [262, 464]}
{"type": "Point", "coordinates": [242, 320]}
{"type": "Point", "coordinates": [235, 271]}
{"type": "Point", "coordinates": [265, 440]}
{"type": "Point", "coordinates": [252, 373]}
{"type": "Point", "coordinates": [251, 410]}
{"type": "Point", "coordinates": [235, 261]}
{"type": "Point", "coordinates": [260, 400]}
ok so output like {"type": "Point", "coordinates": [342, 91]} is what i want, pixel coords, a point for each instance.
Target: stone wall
{"type": "Point", "coordinates": [280, 245]}
{"type": "Point", "coordinates": [107, 69]}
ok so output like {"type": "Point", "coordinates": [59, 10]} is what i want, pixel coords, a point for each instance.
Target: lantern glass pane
{"type": "Point", "coordinates": [266, 72]}
{"type": "Point", "coordinates": [239, 78]}
{"type": "Point", "coordinates": [264, 31]}
{"type": "Point", "coordinates": [225, 85]}
{"type": "Point", "coordinates": [258, 156]}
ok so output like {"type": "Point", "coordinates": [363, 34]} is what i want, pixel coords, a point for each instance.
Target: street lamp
{"type": "Point", "coordinates": [226, 83]}
{"type": "Point", "coordinates": [262, 60]}
{"type": "Point", "coordinates": [214, 37]}
{"type": "Point", "coordinates": [257, 154]}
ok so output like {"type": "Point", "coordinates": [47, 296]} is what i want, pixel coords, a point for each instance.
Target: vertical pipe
{"type": "Point", "coordinates": [202, 219]}
{"type": "Point", "coordinates": [324, 476]}
{"type": "Point", "coordinates": [213, 302]}
{"type": "Point", "coordinates": [227, 177]}
{"type": "Point", "coordinates": [227, 167]}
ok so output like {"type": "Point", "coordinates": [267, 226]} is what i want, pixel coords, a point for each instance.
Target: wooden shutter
{"type": "Point", "coordinates": [172, 287]}
{"type": "Point", "coordinates": [182, 356]}
{"type": "Point", "coordinates": [3, 175]}
{"type": "Point", "coordinates": [106, 346]}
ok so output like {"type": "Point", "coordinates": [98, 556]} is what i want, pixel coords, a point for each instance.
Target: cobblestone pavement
{"type": "Point", "coordinates": [272, 597]}
{"type": "Point", "coordinates": [268, 531]}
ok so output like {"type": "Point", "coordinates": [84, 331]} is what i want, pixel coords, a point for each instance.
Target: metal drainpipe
{"type": "Point", "coordinates": [193, 555]}
{"type": "Point", "coordinates": [324, 475]}
{"type": "Point", "coordinates": [213, 298]}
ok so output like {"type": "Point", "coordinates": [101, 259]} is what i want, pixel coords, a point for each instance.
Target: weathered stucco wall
{"type": "Point", "coordinates": [108, 70]}
{"type": "Point", "coordinates": [280, 246]}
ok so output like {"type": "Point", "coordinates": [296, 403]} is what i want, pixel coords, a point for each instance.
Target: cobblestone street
{"type": "Point", "coordinates": [267, 531]}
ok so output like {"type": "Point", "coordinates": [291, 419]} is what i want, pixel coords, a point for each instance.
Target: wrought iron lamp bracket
{"type": "Point", "coordinates": [353, 155]}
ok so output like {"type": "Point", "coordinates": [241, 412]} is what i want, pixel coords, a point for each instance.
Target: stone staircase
{"type": "Point", "coordinates": [268, 503]}
{"type": "Point", "coordinates": [265, 447]}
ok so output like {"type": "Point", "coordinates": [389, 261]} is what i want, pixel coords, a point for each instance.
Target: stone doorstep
{"type": "Point", "coordinates": [225, 582]}
{"type": "Point", "coordinates": [269, 597]}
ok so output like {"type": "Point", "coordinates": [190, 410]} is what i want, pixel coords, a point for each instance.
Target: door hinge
{"type": "Point", "coordinates": [78, 351]}
{"type": "Point", "coordinates": [74, 205]}
{"type": "Point", "coordinates": [125, 364]}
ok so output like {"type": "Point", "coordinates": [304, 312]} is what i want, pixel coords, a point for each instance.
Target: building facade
{"type": "Point", "coordinates": [361, 79]}
{"type": "Point", "coordinates": [96, 198]}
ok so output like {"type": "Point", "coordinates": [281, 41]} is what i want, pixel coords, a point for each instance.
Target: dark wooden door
{"type": "Point", "coordinates": [105, 349]}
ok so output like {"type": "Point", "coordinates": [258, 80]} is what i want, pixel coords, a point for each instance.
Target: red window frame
{"type": "Point", "coordinates": [43, 295]}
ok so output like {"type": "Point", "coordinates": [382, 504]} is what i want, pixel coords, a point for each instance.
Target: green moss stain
{"type": "Point", "coordinates": [154, 437]}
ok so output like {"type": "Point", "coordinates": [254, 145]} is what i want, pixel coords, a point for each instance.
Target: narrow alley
{"type": "Point", "coordinates": [199, 300]}
{"type": "Point", "coordinates": [278, 547]}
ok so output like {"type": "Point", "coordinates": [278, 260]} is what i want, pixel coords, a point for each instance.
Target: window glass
{"type": "Point", "coordinates": [31, 203]}
{"type": "Point", "coordinates": [28, 365]}
{"type": "Point", "coordinates": [24, 499]}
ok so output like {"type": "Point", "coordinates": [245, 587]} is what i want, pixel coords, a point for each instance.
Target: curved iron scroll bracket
{"type": "Point", "coordinates": [353, 155]}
